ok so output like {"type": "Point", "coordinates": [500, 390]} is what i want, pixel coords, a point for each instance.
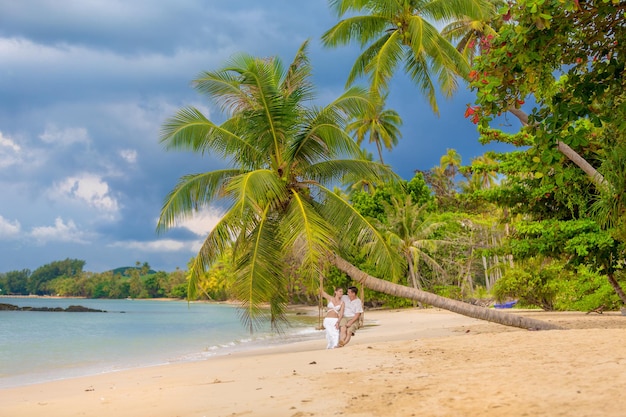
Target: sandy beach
{"type": "Point", "coordinates": [402, 363]}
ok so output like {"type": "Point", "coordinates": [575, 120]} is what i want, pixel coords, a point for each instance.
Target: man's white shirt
{"type": "Point", "coordinates": [352, 307]}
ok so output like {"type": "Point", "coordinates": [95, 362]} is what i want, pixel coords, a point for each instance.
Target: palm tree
{"type": "Point", "coordinates": [410, 230]}
{"type": "Point", "coordinates": [485, 168]}
{"type": "Point", "coordinates": [284, 159]}
{"type": "Point", "coordinates": [353, 184]}
{"type": "Point", "coordinates": [381, 125]}
{"type": "Point", "coordinates": [450, 162]}
{"type": "Point", "coordinates": [395, 31]}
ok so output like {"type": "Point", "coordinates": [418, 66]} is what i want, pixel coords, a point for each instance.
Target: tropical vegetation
{"type": "Point", "coordinates": [306, 206]}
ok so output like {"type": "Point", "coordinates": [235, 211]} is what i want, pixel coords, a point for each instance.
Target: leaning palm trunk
{"type": "Point", "coordinates": [455, 306]}
{"type": "Point", "coordinates": [597, 178]}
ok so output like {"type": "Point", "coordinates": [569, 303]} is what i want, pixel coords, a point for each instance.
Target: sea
{"type": "Point", "coordinates": [46, 346]}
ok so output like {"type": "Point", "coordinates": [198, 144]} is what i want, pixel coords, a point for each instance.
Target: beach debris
{"type": "Point", "coordinates": [313, 363]}
{"type": "Point", "coordinates": [598, 310]}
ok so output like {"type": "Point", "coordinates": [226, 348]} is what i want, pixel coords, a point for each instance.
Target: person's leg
{"type": "Point", "coordinates": [342, 331]}
{"type": "Point", "coordinates": [349, 332]}
{"type": "Point", "coordinates": [332, 334]}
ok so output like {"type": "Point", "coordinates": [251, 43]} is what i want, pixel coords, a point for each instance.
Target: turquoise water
{"type": "Point", "coordinates": [43, 346]}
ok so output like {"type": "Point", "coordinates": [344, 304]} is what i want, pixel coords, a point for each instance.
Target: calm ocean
{"type": "Point", "coordinates": [44, 346]}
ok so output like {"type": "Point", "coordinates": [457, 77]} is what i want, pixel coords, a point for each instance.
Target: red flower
{"type": "Point", "coordinates": [473, 111]}
{"type": "Point", "coordinates": [472, 75]}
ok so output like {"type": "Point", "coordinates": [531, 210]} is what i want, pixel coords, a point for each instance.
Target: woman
{"type": "Point", "coordinates": [334, 313]}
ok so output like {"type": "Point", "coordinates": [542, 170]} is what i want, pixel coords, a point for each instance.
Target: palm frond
{"type": "Point", "coordinates": [418, 70]}
{"type": "Point", "coordinates": [306, 233]}
{"type": "Point", "coordinates": [224, 85]}
{"type": "Point", "coordinates": [190, 130]}
{"type": "Point", "coordinates": [259, 276]}
{"type": "Point", "coordinates": [297, 78]}
{"type": "Point", "coordinates": [329, 172]}
{"type": "Point", "coordinates": [190, 193]}
{"type": "Point", "coordinates": [383, 64]}
{"type": "Point", "coordinates": [447, 10]}
{"type": "Point", "coordinates": [322, 135]}
{"type": "Point", "coordinates": [360, 233]}
{"type": "Point", "coordinates": [361, 29]}
{"type": "Point", "coordinates": [363, 61]}
{"type": "Point", "coordinates": [342, 6]}
{"type": "Point", "coordinates": [255, 190]}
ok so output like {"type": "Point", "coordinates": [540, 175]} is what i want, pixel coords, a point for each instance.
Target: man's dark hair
{"type": "Point", "coordinates": [355, 290]}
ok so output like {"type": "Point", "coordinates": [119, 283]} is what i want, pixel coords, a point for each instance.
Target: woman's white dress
{"type": "Point", "coordinates": [332, 332]}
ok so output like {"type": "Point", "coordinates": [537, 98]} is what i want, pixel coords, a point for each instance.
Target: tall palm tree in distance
{"type": "Point", "coordinates": [404, 32]}
{"type": "Point", "coordinates": [380, 125]}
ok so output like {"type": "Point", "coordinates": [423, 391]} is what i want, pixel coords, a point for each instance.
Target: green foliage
{"type": "Point", "coordinates": [535, 283]}
{"type": "Point", "coordinates": [14, 282]}
{"type": "Point", "coordinates": [586, 290]}
{"type": "Point", "coordinates": [563, 194]}
{"type": "Point", "coordinates": [569, 58]}
{"type": "Point", "coordinates": [550, 285]}
{"type": "Point", "coordinates": [581, 241]}
{"type": "Point", "coordinates": [376, 299]}
{"type": "Point", "coordinates": [448, 291]}
{"type": "Point", "coordinates": [393, 34]}
{"type": "Point", "coordinates": [42, 275]}
{"type": "Point", "coordinates": [373, 204]}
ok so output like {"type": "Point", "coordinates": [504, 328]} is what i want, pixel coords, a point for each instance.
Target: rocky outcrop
{"type": "Point", "coordinates": [70, 309]}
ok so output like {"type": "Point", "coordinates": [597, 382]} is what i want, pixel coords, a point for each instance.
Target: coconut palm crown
{"type": "Point", "coordinates": [394, 32]}
{"type": "Point", "coordinates": [285, 155]}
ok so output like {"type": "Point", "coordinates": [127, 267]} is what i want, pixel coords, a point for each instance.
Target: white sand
{"type": "Point", "coordinates": [403, 363]}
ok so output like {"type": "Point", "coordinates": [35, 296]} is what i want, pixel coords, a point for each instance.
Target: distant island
{"type": "Point", "coordinates": [70, 309]}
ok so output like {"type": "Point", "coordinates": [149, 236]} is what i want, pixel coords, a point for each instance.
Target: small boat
{"type": "Point", "coordinates": [508, 304]}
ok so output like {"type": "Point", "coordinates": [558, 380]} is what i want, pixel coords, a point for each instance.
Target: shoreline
{"type": "Point", "coordinates": [404, 362]}
{"type": "Point", "coordinates": [21, 370]}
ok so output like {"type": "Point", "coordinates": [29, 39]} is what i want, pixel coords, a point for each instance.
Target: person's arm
{"type": "Point", "coordinates": [353, 320]}
{"type": "Point", "coordinates": [343, 306]}
{"type": "Point", "coordinates": [325, 294]}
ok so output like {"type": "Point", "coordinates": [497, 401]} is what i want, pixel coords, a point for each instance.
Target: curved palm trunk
{"type": "Point", "coordinates": [618, 289]}
{"type": "Point", "coordinates": [455, 306]}
{"type": "Point", "coordinates": [414, 280]}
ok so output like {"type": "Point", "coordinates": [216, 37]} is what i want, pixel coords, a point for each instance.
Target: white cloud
{"type": "Point", "coordinates": [163, 245]}
{"type": "Point", "coordinates": [9, 229]}
{"type": "Point", "coordinates": [67, 136]}
{"type": "Point", "coordinates": [60, 232]}
{"type": "Point", "coordinates": [86, 188]}
{"type": "Point", "coordinates": [129, 155]}
{"type": "Point", "coordinates": [203, 221]}
{"type": "Point", "coordinates": [9, 152]}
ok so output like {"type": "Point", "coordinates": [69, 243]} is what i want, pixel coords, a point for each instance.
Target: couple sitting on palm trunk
{"type": "Point", "coordinates": [342, 317]}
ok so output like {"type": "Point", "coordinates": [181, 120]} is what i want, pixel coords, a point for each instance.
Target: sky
{"type": "Point", "coordinates": [85, 86]}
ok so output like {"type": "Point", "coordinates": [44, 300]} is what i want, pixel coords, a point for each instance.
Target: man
{"type": "Point", "coordinates": [353, 308]}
